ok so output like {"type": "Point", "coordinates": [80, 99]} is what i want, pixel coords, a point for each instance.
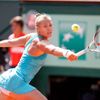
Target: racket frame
{"type": "Point", "coordinates": [88, 49]}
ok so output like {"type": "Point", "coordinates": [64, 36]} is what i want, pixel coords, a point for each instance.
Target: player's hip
{"type": "Point", "coordinates": [11, 81]}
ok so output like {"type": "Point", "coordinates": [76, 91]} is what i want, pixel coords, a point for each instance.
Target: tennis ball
{"type": "Point", "coordinates": [75, 27]}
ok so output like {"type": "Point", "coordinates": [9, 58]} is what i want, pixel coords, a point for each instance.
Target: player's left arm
{"type": "Point", "coordinates": [21, 41]}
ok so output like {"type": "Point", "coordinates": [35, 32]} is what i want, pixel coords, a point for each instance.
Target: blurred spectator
{"type": "Point", "coordinates": [15, 53]}
{"type": "Point", "coordinates": [29, 21]}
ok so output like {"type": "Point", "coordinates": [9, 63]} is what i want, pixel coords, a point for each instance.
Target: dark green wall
{"type": "Point", "coordinates": [8, 9]}
{"type": "Point", "coordinates": [63, 8]}
{"type": "Point", "coordinates": [42, 78]}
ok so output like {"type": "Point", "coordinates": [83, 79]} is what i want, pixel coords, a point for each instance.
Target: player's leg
{"type": "Point", "coordinates": [5, 96]}
{"type": "Point", "coordinates": [34, 95]}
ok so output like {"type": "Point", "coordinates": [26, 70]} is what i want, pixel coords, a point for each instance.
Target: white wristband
{"type": "Point", "coordinates": [65, 52]}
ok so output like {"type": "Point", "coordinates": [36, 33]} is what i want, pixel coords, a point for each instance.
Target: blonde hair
{"type": "Point", "coordinates": [42, 17]}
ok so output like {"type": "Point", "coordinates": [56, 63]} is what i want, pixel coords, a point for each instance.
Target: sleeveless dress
{"type": "Point", "coordinates": [17, 79]}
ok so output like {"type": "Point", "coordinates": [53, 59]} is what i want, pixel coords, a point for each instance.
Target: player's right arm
{"type": "Point", "coordinates": [21, 41]}
{"type": "Point", "coordinates": [54, 50]}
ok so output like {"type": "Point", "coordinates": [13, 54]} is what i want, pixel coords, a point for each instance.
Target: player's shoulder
{"type": "Point", "coordinates": [31, 35]}
{"type": "Point", "coordinates": [34, 34]}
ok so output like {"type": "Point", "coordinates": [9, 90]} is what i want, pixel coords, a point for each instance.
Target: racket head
{"type": "Point", "coordinates": [96, 40]}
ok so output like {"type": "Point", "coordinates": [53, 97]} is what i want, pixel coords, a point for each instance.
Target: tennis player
{"type": "Point", "coordinates": [14, 83]}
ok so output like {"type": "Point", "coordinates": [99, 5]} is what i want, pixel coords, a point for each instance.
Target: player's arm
{"type": "Point", "coordinates": [56, 51]}
{"type": "Point", "coordinates": [21, 41]}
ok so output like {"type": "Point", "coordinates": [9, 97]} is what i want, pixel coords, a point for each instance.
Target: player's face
{"type": "Point", "coordinates": [15, 27]}
{"type": "Point", "coordinates": [45, 28]}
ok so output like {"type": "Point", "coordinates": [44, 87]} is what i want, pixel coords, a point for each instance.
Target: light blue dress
{"type": "Point", "coordinates": [17, 79]}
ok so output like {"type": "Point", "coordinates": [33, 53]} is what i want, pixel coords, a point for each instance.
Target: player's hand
{"type": "Point", "coordinates": [71, 56]}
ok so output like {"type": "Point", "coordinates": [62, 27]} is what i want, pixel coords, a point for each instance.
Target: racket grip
{"type": "Point", "coordinates": [80, 53]}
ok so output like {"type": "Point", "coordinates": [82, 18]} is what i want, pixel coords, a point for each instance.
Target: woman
{"type": "Point", "coordinates": [14, 83]}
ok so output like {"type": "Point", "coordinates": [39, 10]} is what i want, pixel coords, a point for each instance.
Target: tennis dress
{"type": "Point", "coordinates": [17, 79]}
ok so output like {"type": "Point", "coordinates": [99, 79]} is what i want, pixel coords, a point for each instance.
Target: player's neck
{"type": "Point", "coordinates": [42, 37]}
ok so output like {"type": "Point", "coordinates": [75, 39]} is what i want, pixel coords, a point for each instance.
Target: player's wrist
{"type": "Point", "coordinates": [65, 53]}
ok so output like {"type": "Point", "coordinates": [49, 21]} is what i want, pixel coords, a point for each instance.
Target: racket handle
{"type": "Point", "coordinates": [80, 53]}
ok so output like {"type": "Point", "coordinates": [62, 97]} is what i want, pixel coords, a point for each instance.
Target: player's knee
{"type": "Point", "coordinates": [45, 98]}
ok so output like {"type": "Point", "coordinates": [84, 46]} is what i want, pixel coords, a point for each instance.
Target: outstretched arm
{"type": "Point", "coordinates": [21, 41]}
{"type": "Point", "coordinates": [56, 51]}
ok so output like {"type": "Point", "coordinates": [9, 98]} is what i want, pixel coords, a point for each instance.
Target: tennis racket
{"type": "Point", "coordinates": [94, 45]}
